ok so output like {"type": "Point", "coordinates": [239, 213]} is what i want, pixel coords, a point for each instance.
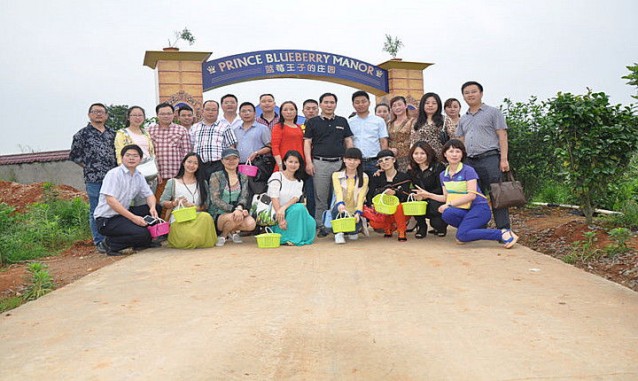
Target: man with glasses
{"type": "Point", "coordinates": [93, 149]}
{"type": "Point", "coordinates": [171, 141]}
{"type": "Point", "coordinates": [125, 226]}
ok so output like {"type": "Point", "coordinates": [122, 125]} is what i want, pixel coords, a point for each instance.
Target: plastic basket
{"type": "Point", "coordinates": [184, 213]}
{"type": "Point", "coordinates": [344, 223]}
{"type": "Point", "coordinates": [413, 207]}
{"type": "Point", "coordinates": [159, 228]}
{"type": "Point", "coordinates": [248, 169]}
{"type": "Point", "coordinates": [385, 203]}
{"type": "Point", "coordinates": [268, 240]}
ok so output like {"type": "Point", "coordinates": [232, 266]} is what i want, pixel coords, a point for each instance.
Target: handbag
{"type": "Point", "coordinates": [506, 194]}
{"type": "Point", "coordinates": [148, 168]}
{"type": "Point", "coordinates": [261, 208]}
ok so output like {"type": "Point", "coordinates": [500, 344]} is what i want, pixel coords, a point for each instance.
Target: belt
{"type": "Point", "coordinates": [369, 159]}
{"type": "Point", "coordinates": [492, 152]}
{"type": "Point", "coordinates": [328, 159]}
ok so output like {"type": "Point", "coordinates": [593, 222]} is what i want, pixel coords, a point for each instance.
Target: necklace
{"type": "Point", "coordinates": [193, 192]}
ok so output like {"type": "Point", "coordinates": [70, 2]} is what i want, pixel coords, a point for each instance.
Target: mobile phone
{"type": "Point", "coordinates": [149, 220]}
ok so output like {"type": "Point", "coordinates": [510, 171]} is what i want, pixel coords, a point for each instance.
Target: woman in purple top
{"type": "Point", "coordinates": [465, 207]}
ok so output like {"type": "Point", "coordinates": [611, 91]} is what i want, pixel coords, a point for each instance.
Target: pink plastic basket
{"type": "Point", "coordinates": [159, 229]}
{"type": "Point", "coordinates": [248, 169]}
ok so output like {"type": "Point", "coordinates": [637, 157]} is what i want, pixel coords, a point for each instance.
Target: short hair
{"type": "Point", "coordinates": [327, 95]}
{"type": "Point", "coordinates": [454, 143]}
{"type": "Point", "coordinates": [129, 147]}
{"type": "Point", "coordinates": [210, 100]}
{"type": "Point", "coordinates": [382, 105]}
{"type": "Point", "coordinates": [470, 83]}
{"type": "Point", "coordinates": [228, 96]}
{"type": "Point", "coordinates": [309, 101]}
{"type": "Point", "coordinates": [392, 102]}
{"type": "Point", "coordinates": [184, 107]}
{"type": "Point", "coordinates": [247, 104]}
{"type": "Point", "coordinates": [98, 105]}
{"type": "Point", "coordinates": [360, 93]}
{"type": "Point", "coordinates": [162, 105]}
{"type": "Point", "coordinates": [267, 95]}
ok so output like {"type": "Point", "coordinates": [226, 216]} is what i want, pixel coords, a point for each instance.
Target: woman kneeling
{"type": "Point", "coordinates": [463, 209]}
{"type": "Point", "coordinates": [228, 199]}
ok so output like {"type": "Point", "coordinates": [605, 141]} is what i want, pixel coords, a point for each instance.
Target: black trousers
{"type": "Point", "coordinates": [212, 166]}
{"type": "Point", "coordinates": [122, 232]}
{"type": "Point", "coordinates": [432, 213]}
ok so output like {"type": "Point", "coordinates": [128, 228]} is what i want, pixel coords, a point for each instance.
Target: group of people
{"type": "Point", "coordinates": [323, 168]}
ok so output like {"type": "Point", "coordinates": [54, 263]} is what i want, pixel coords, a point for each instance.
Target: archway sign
{"type": "Point", "coordinates": [305, 64]}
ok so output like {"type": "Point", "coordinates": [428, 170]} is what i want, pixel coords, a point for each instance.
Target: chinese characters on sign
{"type": "Point", "coordinates": [296, 64]}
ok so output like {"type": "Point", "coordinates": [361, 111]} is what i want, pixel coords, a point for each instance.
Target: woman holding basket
{"type": "Point", "coordinates": [349, 186]}
{"type": "Point", "coordinates": [391, 182]}
{"type": "Point", "coordinates": [189, 190]}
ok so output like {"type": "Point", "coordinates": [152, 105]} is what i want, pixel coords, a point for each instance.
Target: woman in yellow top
{"type": "Point", "coordinates": [350, 186]}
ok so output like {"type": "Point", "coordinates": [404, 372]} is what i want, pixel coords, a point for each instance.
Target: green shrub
{"type": "Point", "coordinates": [554, 193]}
{"type": "Point", "coordinates": [41, 281]}
{"type": "Point", "coordinates": [10, 303]}
{"type": "Point", "coordinates": [620, 236]}
{"type": "Point", "coordinates": [628, 217]}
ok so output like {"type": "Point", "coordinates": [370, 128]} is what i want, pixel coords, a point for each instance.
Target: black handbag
{"type": "Point", "coordinates": [507, 194]}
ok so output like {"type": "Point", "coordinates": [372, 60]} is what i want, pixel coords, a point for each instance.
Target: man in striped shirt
{"type": "Point", "coordinates": [210, 138]}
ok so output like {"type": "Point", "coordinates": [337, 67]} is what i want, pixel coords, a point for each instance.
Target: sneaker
{"type": "Point", "coordinates": [220, 241]}
{"type": "Point", "coordinates": [127, 251]}
{"type": "Point", "coordinates": [353, 237]}
{"type": "Point", "coordinates": [101, 247]}
{"type": "Point", "coordinates": [339, 238]}
{"type": "Point", "coordinates": [236, 238]}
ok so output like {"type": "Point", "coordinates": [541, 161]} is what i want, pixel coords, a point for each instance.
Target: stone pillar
{"type": "Point", "coordinates": [404, 78]}
{"type": "Point", "coordinates": [178, 76]}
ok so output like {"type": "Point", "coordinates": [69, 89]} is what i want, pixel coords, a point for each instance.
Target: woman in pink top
{"type": "Point", "coordinates": [287, 134]}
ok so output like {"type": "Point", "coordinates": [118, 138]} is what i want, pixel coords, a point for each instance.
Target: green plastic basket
{"type": "Point", "coordinates": [184, 213]}
{"type": "Point", "coordinates": [268, 240]}
{"type": "Point", "coordinates": [385, 203]}
{"type": "Point", "coordinates": [344, 223]}
{"type": "Point", "coordinates": [413, 207]}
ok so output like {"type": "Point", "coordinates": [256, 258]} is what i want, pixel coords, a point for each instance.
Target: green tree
{"type": "Point", "coordinates": [392, 45]}
{"type": "Point", "coordinates": [185, 35]}
{"type": "Point", "coordinates": [632, 77]}
{"type": "Point", "coordinates": [530, 156]}
{"type": "Point", "coordinates": [117, 116]}
{"type": "Point", "coordinates": [594, 143]}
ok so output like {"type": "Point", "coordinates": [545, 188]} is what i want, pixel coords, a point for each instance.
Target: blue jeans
{"type": "Point", "coordinates": [93, 191]}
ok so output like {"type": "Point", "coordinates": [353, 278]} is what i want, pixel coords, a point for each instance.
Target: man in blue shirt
{"type": "Point", "coordinates": [370, 133]}
{"type": "Point", "coordinates": [253, 138]}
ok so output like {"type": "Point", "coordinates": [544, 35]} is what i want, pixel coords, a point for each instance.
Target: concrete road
{"type": "Point", "coordinates": [374, 309]}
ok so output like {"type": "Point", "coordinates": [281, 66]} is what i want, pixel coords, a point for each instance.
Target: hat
{"type": "Point", "coordinates": [385, 153]}
{"type": "Point", "coordinates": [227, 152]}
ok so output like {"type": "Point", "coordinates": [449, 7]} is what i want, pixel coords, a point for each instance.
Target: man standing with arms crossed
{"type": "Point", "coordinates": [93, 149]}
{"type": "Point", "coordinates": [325, 140]}
{"type": "Point", "coordinates": [484, 132]}
{"type": "Point", "coordinates": [370, 133]}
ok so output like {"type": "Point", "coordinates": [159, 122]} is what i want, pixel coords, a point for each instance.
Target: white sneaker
{"type": "Point", "coordinates": [236, 238]}
{"type": "Point", "coordinates": [220, 241]}
{"type": "Point", "coordinates": [339, 238]}
{"type": "Point", "coordinates": [353, 237]}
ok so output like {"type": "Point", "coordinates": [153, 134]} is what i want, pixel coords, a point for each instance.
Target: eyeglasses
{"type": "Point", "coordinates": [384, 159]}
{"type": "Point", "coordinates": [97, 112]}
{"type": "Point", "coordinates": [136, 115]}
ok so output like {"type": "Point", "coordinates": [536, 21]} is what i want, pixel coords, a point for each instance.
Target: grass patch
{"type": "Point", "coordinates": [45, 229]}
{"type": "Point", "coordinates": [10, 303]}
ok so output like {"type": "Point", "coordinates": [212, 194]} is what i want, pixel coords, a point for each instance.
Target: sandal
{"type": "Point", "coordinates": [511, 241]}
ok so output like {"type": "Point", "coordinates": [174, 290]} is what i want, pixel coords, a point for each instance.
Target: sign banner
{"type": "Point", "coordinates": [294, 64]}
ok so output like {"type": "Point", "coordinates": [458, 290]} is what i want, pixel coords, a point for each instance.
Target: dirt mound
{"type": "Point", "coordinates": [20, 196]}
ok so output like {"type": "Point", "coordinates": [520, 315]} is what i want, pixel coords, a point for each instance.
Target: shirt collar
{"type": "Point", "coordinates": [326, 118]}
{"type": "Point", "coordinates": [458, 169]}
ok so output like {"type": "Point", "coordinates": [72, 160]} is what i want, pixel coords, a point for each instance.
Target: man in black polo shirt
{"type": "Point", "coordinates": [325, 140]}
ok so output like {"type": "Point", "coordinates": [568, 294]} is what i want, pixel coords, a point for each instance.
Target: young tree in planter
{"type": "Point", "coordinates": [594, 141]}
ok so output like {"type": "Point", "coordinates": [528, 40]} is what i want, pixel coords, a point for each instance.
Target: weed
{"type": "Point", "coordinates": [41, 281]}
{"type": "Point", "coordinates": [10, 303]}
{"type": "Point", "coordinates": [628, 217]}
{"type": "Point", "coordinates": [583, 250]}
{"type": "Point", "coordinates": [620, 237]}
